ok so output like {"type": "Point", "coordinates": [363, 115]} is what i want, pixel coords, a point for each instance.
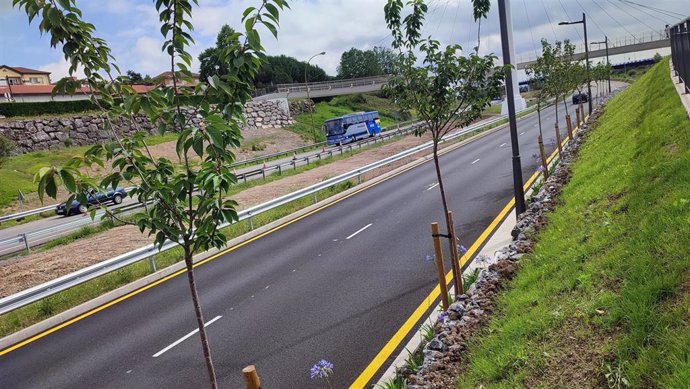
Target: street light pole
{"type": "Point", "coordinates": [506, 43]}
{"type": "Point", "coordinates": [589, 79]}
{"type": "Point", "coordinates": [608, 64]}
{"type": "Point", "coordinates": [306, 84]}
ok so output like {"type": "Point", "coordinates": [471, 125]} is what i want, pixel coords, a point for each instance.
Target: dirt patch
{"type": "Point", "coordinates": [40, 267]}
{"type": "Point", "coordinates": [578, 360]}
{"type": "Point", "coordinates": [33, 269]}
{"type": "Point", "coordinates": [273, 139]}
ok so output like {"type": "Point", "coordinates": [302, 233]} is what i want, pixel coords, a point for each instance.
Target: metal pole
{"type": "Point", "coordinates": [608, 64]}
{"type": "Point", "coordinates": [306, 85]}
{"type": "Point", "coordinates": [504, 13]}
{"type": "Point", "coordinates": [589, 81]}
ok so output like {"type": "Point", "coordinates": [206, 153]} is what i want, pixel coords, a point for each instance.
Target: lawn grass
{"type": "Point", "coordinates": [342, 105]}
{"type": "Point", "coordinates": [17, 173]}
{"type": "Point", "coordinates": [604, 300]}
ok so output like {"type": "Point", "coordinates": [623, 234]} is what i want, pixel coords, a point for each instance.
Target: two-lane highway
{"type": "Point", "coordinates": [334, 285]}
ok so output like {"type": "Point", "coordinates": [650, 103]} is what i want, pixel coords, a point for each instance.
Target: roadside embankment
{"type": "Point", "coordinates": [603, 299]}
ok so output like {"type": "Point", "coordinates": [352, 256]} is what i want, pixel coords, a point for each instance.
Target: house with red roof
{"type": "Point", "coordinates": [17, 75]}
{"type": "Point", "coordinates": [19, 84]}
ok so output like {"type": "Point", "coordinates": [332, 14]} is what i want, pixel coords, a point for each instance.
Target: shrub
{"type": "Point", "coordinates": [6, 146]}
{"type": "Point", "coordinates": [45, 108]}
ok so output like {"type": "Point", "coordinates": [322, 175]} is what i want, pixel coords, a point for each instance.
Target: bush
{"type": "Point", "coordinates": [6, 146]}
{"type": "Point", "coordinates": [46, 108]}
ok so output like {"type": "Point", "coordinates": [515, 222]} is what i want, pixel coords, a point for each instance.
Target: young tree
{"type": "Point", "coordinates": [185, 205]}
{"type": "Point", "coordinates": [446, 89]}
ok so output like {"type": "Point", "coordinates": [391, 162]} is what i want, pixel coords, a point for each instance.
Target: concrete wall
{"type": "Point", "coordinates": [55, 133]}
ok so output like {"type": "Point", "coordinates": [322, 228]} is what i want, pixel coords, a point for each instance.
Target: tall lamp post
{"type": "Point", "coordinates": [589, 80]}
{"type": "Point", "coordinates": [608, 64]}
{"type": "Point", "coordinates": [511, 84]}
{"type": "Point", "coordinates": [306, 84]}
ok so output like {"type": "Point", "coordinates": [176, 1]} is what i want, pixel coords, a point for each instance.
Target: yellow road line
{"type": "Point", "coordinates": [430, 300]}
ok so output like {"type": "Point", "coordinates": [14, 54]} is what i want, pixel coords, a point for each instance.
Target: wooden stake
{"type": "Point", "coordinates": [569, 123]}
{"type": "Point", "coordinates": [251, 379]}
{"type": "Point", "coordinates": [439, 265]}
{"type": "Point", "coordinates": [577, 113]}
{"type": "Point", "coordinates": [582, 113]}
{"type": "Point", "coordinates": [457, 269]}
{"type": "Point", "coordinates": [544, 165]}
{"type": "Point", "coordinates": [558, 139]}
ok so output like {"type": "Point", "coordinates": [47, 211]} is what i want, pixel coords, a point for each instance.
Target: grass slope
{"type": "Point", "coordinates": [17, 173]}
{"type": "Point", "coordinates": [342, 105]}
{"type": "Point", "coordinates": [604, 301]}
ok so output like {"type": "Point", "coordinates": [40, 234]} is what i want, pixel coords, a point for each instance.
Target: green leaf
{"type": "Point", "coordinates": [68, 180]}
{"type": "Point", "coordinates": [273, 10]}
{"type": "Point", "coordinates": [247, 12]}
{"type": "Point", "coordinates": [51, 186]}
{"type": "Point", "coordinates": [215, 135]}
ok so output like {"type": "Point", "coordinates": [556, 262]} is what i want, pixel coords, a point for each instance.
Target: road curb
{"type": "Point", "coordinates": [84, 308]}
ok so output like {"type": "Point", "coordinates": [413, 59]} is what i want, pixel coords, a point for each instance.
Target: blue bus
{"type": "Point", "coordinates": [352, 127]}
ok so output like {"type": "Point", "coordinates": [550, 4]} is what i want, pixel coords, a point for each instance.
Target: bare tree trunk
{"type": "Point", "coordinates": [449, 227]}
{"type": "Point", "coordinates": [565, 104]}
{"type": "Point", "coordinates": [200, 318]}
{"type": "Point", "coordinates": [539, 116]}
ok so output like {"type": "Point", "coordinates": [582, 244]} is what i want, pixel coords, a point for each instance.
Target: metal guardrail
{"type": "Point", "coordinates": [322, 85]}
{"type": "Point", "coordinates": [680, 51]}
{"type": "Point", "coordinates": [28, 296]}
{"type": "Point", "coordinates": [23, 214]}
{"type": "Point", "coordinates": [24, 241]}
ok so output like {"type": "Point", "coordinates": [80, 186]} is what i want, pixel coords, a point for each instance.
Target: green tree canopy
{"type": "Point", "coordinates": [356, 63]}
{"type": "Point", "coordinates": [211, 62]}
{"type": "Point", "coordinates": [282, 69]}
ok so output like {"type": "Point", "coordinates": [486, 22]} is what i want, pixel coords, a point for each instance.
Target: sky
{"type": "Point", "coordinates": [131, 28]}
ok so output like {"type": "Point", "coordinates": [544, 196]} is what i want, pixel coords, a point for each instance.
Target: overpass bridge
{"type": "Point", "coordinates": [649, 40]}
{"type": "Point", "coordinates": [326, 88]}
{"type": "Point", "coordinates": [644, 41]}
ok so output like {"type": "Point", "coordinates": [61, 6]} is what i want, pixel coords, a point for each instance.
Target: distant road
{"type": "Point", "coordinates": [334, 285]}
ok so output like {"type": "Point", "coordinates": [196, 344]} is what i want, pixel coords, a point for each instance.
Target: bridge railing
{"type": "Point", "coordinates": [680, 51]}
{"type": "Point", "coordinates": [638, 38]}
{"type": "Point", "coordinates": [323, 85]}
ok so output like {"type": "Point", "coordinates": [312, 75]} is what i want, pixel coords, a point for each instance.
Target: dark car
{"type": "Point", "coordinates": [580, 98]}
{"type": "Point", "coordinates": [93, 198]}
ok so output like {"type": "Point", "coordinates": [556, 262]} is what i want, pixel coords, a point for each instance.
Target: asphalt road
{"type": "Point", "coordinates": [315, 289]}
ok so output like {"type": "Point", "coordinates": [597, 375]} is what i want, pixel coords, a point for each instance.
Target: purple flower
{"type": "Point", "coordinates": [442, 316]}
{"type": "Point", "coordinates": [463, 249]}
{"type": "Point", "coordinates": [321, 369]}
{"type": "Point", "coordinates": [429, 258]}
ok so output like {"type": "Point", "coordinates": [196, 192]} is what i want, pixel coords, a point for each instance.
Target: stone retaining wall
{"type": "Point", "coordinates": [49, 134]}
{"type": "Point", "coordinates": [298, 107]}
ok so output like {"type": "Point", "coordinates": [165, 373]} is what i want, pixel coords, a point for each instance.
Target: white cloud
{"type": "Point", "coordinates": [148, 57]}
{"type": "Point", "coordinates": [60, 69]}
